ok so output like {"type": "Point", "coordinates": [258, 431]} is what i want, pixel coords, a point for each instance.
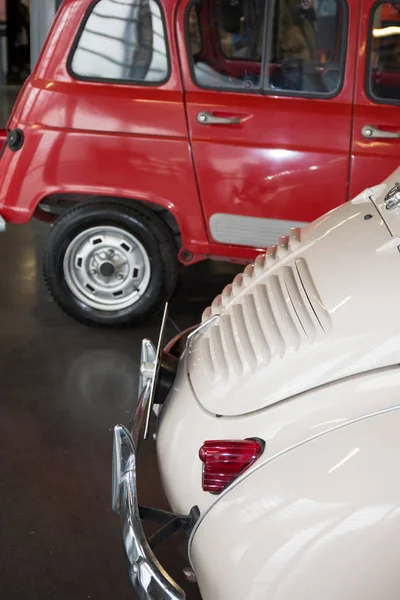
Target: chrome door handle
{"type": "Point", "coordinates": [371, 132]}
{"type": "Point", "coordinates": [206, 118]}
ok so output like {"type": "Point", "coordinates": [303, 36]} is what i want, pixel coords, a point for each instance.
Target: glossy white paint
{"type": "Point", "coordinates": [318, 378]}
{"type": "Point", "coordinates": [320, 306]}
{"type": "Point", "coordinates": [319, 521]}
{"type": "Point", "coordinates": [184, 425]}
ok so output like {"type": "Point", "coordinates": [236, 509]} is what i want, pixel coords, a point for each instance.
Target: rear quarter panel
{"type": "Point", "coordinates": [100, 138]}
{"type": "Point", "coordinates": [321, 520]}
{"type": "Point", "coordinates": [184, 426]}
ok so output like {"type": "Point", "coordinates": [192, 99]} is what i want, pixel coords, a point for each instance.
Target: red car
{"type": "Point", "coordinates": [161, 132]}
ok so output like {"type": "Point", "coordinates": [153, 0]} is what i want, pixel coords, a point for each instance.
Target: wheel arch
{"type": "Point", "coordinates": [54, 205]}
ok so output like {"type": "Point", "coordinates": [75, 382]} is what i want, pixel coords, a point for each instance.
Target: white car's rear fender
{"type": "Point", "coordinates": [321, 520]}
{"type": "Point", "coordinates": [184, 426]}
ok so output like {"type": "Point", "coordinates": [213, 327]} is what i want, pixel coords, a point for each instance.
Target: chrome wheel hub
{"type": "Point", "coordinates": [107, 268]}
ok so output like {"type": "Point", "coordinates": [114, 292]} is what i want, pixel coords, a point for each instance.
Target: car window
{"type": "Point", "coordinates": [196, 44]}
{"type": "Point", "coordinates": [124, 41]}
{"type": "Point", "coordinates": [240, 28]}
{"type": "Point", "coordinates": [383, 78]}
{"type": "Point", "coordinates": [306, 47]}
{"type": "Point", "coordinates": [226, 53]}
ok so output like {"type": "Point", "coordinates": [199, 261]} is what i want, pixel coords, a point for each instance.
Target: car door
{"type": "Point", "coordinates": [376, 136]}
{"type": "Point", "coordinates": [268, 92]}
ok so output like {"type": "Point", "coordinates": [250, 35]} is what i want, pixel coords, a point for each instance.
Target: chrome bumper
{"type": "Point", "coordinates": [148, 577]}
{"type": "Point", "coordinates": [2, 225]}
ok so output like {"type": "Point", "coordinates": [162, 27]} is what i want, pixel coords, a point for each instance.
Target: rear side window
{"type": "Point", "coordinates": [122, 41]}
{"type": "Point", "coordinates": [383, 77]}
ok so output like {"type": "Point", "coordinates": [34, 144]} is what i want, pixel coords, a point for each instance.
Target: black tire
{"type": "Point", "coordinates": [152, 233]}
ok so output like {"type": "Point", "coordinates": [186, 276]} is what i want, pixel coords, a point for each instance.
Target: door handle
{"type": "Point", "coordinates": [371, 132]}
{"type": "Point", "coordinates": [206, 118]}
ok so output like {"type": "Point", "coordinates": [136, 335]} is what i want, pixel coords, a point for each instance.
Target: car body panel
{"type": "Point", "coordinates": [319, 520]}
{"type": "Point", "coordinates": [184, 426]}
{"type": "Point", "coordinates": [276, 163]}
{"type": "Point", "coordinates": [80, 140]}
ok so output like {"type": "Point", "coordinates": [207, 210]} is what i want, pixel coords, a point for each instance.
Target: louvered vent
{"type": "Point", "coordinates": [282, 312]}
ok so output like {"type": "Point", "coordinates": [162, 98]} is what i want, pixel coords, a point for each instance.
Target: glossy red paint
{"type": "Point", "coordinates": [130, 142]}
{"type": "Point", "coordinates": [293, 159]}
{"type": "Point", "coordinates": [287, 159]}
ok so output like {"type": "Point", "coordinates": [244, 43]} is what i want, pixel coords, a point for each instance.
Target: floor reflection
{"type": "Point", "coordinates": [63, 388]}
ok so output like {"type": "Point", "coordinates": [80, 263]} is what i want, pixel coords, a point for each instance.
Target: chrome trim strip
{"type": "Point", "coordinates": [256, 232]}
{"type": "Point", "coordinates": [148, 577]}
{"type": "Point", "coordinates": [201, 329]}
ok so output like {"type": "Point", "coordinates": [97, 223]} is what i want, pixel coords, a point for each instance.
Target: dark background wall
{"type": "Point", "coordinates": [18, 41]}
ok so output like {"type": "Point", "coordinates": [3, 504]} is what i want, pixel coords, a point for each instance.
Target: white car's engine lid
{"type": "Point", "coordinates": [321, 305]}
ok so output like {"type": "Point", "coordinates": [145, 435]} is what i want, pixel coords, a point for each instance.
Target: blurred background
{"type": "Point", "coordinates": [23, 27]}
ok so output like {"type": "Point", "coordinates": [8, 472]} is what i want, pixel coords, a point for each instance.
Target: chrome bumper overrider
{"type": "Point", "coordinates": [148, 577]}
{"type": "Point", "coordinates": [150, 580]}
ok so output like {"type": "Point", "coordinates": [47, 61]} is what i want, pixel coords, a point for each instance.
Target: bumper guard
{"type": "Point", "coordinates": [148, 577]}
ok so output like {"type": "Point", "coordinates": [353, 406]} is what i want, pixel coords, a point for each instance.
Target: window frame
{"type": "Point", "coordinates": [191, 62]}
{"type": "Point", "coordinates": [128, 82]}
{"type": "Point", "coordinates": [264, 90]}
{"type": "Point", "coordinates": [368, 70]}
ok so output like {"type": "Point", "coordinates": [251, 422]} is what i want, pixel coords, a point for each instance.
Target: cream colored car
{"type": "Point", "coordinates": [279, 437]}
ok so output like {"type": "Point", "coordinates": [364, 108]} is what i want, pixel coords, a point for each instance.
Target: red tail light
{"type": "Point", "coordinates": [224, 460]}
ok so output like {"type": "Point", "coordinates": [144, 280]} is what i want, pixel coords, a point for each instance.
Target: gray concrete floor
{"type": "Point", "coordinates": [63, 388]}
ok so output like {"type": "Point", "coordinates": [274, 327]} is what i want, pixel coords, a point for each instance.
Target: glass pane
{"type": "Point", "coordinates": [123, 40]}
{"type": "Point", "coordinates": [384, 73]}
{"type": "Point", "coordinates": [230, 49]}
{"type": "Point", "coordinates": [306, 46]}
{"type": "Point", "coordinates": [14, 53]}
{"type": "Point", "coordinates": [240, 28]}
{"type": "Point", "coordinates": [194, 32]}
